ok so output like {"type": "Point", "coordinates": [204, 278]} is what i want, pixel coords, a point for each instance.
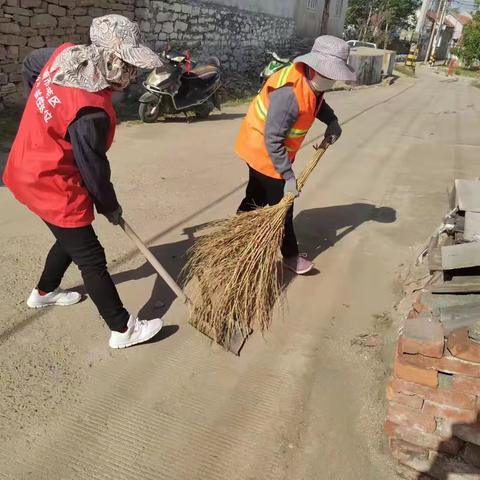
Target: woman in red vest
{"type": "Point", "coordinates": [59, 169]}
{"type": "Point", "coordinates": [276, 125]}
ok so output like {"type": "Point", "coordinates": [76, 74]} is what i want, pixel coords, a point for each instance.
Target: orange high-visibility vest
{"type": "Point", "coordinates": [250, 145]}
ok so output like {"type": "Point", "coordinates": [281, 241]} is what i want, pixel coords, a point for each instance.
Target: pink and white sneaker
{"type": "Point", "coordinates": [299, 264]}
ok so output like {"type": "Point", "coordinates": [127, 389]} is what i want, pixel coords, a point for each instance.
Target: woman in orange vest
{"type": "Point", "coordinates": [276, 124]}
{"type": "Point", "coordinates": [59, 169]}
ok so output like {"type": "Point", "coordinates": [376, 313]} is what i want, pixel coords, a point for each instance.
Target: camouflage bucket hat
{"type": "Point", "coordinates": [122, 36]}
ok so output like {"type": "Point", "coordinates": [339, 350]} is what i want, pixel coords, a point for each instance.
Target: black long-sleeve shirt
{"type": "Point", "coordinates": [88, 135]}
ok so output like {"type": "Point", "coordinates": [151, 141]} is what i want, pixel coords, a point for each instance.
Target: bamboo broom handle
{"type": "Point", "coordinates": [310, 166]}
{"type": "Point", "coordinates": [153, 261]}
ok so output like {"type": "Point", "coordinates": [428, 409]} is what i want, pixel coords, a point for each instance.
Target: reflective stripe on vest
{"type": "Point", "coordinates": [262, 110]}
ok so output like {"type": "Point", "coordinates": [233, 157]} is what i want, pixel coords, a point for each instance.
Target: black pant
{"type": "Point", "coordinates": [262, 191]}
{"type": "Point", "coordinates": [81, 246]}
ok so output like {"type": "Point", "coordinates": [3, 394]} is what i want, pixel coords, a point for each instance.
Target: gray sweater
{"type": "Point", "coordinates": [282, 115]}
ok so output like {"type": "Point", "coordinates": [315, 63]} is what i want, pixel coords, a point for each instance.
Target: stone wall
{"type": "Point", "coordinates": [238, 37]}
{"type": "Point", "coordinates": [29, 24]}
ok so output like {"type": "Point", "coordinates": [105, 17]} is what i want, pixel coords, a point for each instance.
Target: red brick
{"type": "Point", "coordinates": [412, 314]}
{"type": "Point", "coordinates": [452, 398]}
{"type": "Point", "coordinates": [425, 440]}
{"type": "Point", "coordinates": [404, 451]}
{"type": "Point", "coordinates": [410, 400]}
{"type": "Point", "coordinates": [423, 336]}
{"type": "Point", "coordinates": [409, 417]}
{"type": "Point", "coordinates": [414, 373]}
{"type": "Point", "coordinates": [453, 414]}
{"type": "Point", "coordinates": [421, 307]}
{"type": "Point", "coordinates": [420, 464]}
{"type": "Point", "coordinates": [471, 454]}
{"type": "Point", "coordinates": [399, 385]}
{"type": "Point", "coordinates": [461, 346]}
{"type": "Point", "coordinates": [410, 474]}
{"type": "Point", "coordinates": [447, 364]}
{"type": "Point", "coordinates": [427, 348]}
{"type": "Point", "coordinates": [466, 384]}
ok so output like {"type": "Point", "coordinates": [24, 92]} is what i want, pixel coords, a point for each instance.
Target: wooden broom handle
{"type": "Point", "coordinates": [310, 166]}
{"type": "Point", "coordinates": [153, 261]}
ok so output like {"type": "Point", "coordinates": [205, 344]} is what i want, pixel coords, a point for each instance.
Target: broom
{"type": "Point", "coordinates": [235, 269]}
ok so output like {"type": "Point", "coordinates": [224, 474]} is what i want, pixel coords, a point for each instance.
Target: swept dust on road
{"type": "Point", "coordinates": [301, 403]}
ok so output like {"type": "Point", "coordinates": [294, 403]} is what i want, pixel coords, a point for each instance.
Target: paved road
{"type": "Point", "coordinates": [302, 403]}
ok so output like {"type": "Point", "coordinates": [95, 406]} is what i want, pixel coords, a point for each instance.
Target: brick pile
{"type": "Point", "coordinates": [433, 416]}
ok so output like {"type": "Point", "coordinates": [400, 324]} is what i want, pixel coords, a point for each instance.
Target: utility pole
{"type": "Point", "coordinates": [422, 15]}
{"type": "Point", "coordinates": [434, 27]}
{"type": "Point", "coordinates": [442, 19]}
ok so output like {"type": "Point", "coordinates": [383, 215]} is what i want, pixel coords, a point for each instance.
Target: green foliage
{"type": "Point", "coordinates": [372, 17]}
{"type": "Point", "coordinates": [469, 50]}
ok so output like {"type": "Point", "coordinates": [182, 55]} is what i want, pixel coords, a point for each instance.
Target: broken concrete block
{"type": "Point", "coordinates": [459, 316]}
{"type": "Point", "coordinates": [423, 336]}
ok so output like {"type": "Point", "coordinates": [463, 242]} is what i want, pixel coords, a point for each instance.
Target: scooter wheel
{"type": "Point", "coordinates": [148, 112]}
{"type": "Point", "coordinates": [204, 110]}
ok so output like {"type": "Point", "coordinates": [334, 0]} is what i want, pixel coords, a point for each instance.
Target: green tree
{"type": "Point", "coordinates": [469, 49]}
{"type": "Point", "coordinates": [376, 18]}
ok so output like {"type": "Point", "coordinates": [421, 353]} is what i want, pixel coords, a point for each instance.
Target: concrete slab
{"type": "Point", "coordinates": [468, 195]}
{"type": "Point", "coordinates": [463, 255]}
{"type": "Point", "coordinates": [472, 227]}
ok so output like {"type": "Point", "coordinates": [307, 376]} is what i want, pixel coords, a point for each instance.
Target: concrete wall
{"type": "Point", "coordinates": [368, 64]}
{"type": "Point", "coordinates": [279, 8]}
{"type": "Point", "coordinates": [338, 12]}
{"type": "Point", "coordinates": [309, 21]}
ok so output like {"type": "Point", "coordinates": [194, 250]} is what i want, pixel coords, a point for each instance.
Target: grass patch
{"type": "Point", "coordinates": [465, 72]}
{"type": "Point", "coordinates": [476, 84]}
{"type": "Point", "coordinates": [235, 102]}
{"type": "Point", "coordinates": [404, 70]}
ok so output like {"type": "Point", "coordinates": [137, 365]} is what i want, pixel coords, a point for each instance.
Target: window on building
{"type": "Point", "coordinates": [339, 8]}
{"type": "Point", "coordinates": [312, 4]}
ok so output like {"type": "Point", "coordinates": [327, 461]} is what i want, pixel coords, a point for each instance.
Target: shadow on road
{"type": "Point", "coordinates": [173, 257]}
{"type": "Point", "coordinates": [319, 229]}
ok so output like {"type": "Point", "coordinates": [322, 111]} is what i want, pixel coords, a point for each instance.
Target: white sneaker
{"type": "Point", "coordinates": [139, 331]}
{"type": "Point", "coordinates": [57, 297]}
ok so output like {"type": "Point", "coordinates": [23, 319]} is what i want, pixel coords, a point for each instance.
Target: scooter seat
{"type": "Point", "coordinates": [202, 72]}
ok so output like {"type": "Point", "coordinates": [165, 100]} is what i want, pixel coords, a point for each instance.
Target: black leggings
{"type": "Point", "coordinates": [81, 246]}
{"type": "Point", "coordinates": [262, 191]}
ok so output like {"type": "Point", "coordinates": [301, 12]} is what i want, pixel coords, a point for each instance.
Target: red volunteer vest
{"type": "Point", "coordinates": [41, 171]}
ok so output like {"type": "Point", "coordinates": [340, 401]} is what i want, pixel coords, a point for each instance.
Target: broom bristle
{"type": "Point", "coordinates": [235, 268]}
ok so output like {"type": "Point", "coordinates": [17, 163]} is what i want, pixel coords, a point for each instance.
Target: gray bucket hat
{"type": "Point", "coordinates": [118, 33]}
{"type": "Point", "coordinates": [329, 58]}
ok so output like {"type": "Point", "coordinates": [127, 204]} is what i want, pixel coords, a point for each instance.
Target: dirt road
{"type": "Point", "coordinates": [303, 403]}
